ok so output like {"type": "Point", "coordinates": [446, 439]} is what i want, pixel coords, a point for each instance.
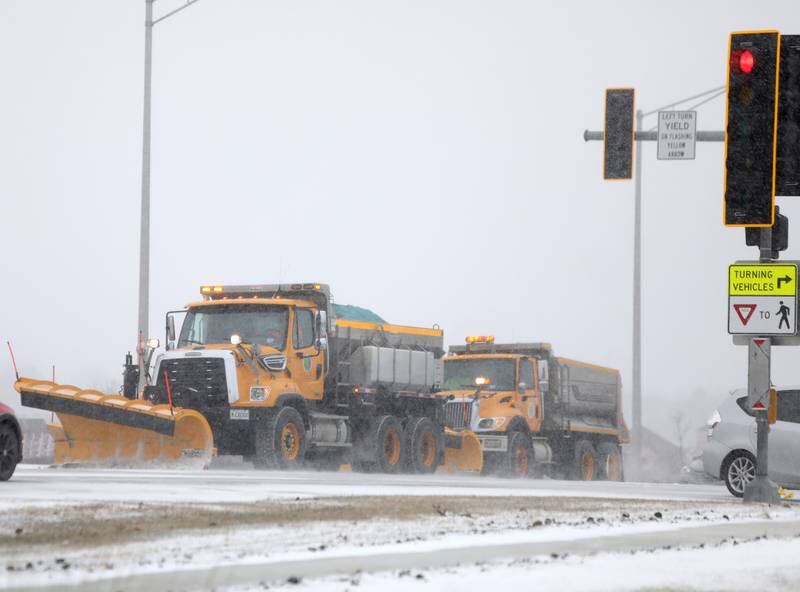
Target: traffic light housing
{"type": "Point", "coordinates": [750, 133]}
{"type": "Point", "coordinates": [779, 238]}
{"type": "Point", "coordinates": [787, 177]}
{"type": "Point", "coordinates": [618, 134]}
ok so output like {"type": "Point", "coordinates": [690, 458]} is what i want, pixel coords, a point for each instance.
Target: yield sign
{"type": "Point", "coordinates": [745, 311]}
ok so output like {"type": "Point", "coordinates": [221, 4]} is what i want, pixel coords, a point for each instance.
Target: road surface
{"type": "Point", "coordinates": [39, 483]}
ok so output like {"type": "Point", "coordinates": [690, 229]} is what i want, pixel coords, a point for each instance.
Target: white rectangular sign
{"type": "Point", "coordinates": [762, 315]}
{"type": "Point", "coordinates": [677, 134]}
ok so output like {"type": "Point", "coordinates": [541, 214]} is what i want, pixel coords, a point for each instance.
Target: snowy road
{"type": "Point", "coordinates": [236, 530]}
{"type": "Point", "coordinates": [34, 483]}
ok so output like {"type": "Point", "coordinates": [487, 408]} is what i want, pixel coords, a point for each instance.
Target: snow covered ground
{"type": "Point", "coordinates": [731, 565]}
{"type": "Point", "coordinates": [150, 530]}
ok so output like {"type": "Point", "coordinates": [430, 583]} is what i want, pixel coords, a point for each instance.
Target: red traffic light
{"type": "Point", "coordinates": [747, 61]}
{"type": "Point", "coordinates": [743, 61]}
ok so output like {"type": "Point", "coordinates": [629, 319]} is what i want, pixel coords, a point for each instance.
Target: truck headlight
{"type": "Point", "coordinates": [259, 393]}
{"type": "Point", "coordinates": [490, 423]}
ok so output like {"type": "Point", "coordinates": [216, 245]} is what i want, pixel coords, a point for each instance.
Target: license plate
{"type": "Point", "coordinates": [240, 414]}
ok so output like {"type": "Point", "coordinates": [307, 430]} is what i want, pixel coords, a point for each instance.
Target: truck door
{"type": "Point", "coordinates": [306, 362]}
{"type": "Point", "coordinates": [530, 399]}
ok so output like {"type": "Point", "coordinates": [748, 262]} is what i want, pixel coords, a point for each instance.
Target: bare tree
{"type": "Point", "coordinates": [682, 424]}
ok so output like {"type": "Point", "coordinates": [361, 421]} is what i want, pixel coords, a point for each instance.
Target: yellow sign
{"type": "Point", "coordinates": [762, 279]}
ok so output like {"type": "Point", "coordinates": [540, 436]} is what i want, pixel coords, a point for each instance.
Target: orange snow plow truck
{"type": "Point", "coordinates": [533, 412]}
{"type": "Point", "coordinates": [277, 374]}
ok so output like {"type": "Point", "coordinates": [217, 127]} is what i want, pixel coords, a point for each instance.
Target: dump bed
{"type": "Point", "coordinates": [584, 397]}
{"type": "Point", "coordinates": [371, 354]}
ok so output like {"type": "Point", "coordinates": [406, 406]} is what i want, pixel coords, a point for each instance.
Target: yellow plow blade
{"type": "Point", "coordinates": [462, 452]}
{"type": "Point", "coordinates": [98, 428]}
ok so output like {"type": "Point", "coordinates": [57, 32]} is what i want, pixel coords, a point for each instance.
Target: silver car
{"type": "Point", "coordinates": [730, 453]}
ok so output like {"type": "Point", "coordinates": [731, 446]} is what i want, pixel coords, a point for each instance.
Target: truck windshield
{"type": "Point", "coordinates": [261, 324]}
{"type": "Point", "coordinates": [461, 374]}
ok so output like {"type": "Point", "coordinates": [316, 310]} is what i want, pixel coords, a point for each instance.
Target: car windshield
{"type": "Point", "coordinates": [261, 324]}
{"type": "Point", "coordinates": [461, 374]}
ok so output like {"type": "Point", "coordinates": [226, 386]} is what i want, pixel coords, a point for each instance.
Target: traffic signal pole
{"type": "Point", "coordinates": [637, 301]}
{"type": "Point", "coordinates": [641, 135]}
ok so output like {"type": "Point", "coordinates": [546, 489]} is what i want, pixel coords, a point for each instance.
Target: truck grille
{"type": "Point", "coordinates": [458, 414]}
{"type": "Point", "coordinates": [195, 383]}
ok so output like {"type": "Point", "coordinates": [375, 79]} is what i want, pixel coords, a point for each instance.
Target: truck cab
{"type": "Point", "coordinates": [497, 394]}
{"type": "Point", "coordinates": [242, 353]}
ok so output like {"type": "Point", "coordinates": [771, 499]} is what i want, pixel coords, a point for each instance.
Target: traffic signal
{"type": "Point", "coordinates": [618, 134]}
{"type": "Point", "coordinates": [750, 134]}
{"type": "Point", "coordinates": [787, 177]}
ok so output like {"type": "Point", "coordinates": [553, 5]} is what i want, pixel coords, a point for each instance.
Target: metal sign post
{"type": "Point", "coordinates": [760, 489]}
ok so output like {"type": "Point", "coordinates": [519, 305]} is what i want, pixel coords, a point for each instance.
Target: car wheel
{"type": "Point", "coordinates": [738, 471]}
{"type": "Point", "coordinates": [9, 451]}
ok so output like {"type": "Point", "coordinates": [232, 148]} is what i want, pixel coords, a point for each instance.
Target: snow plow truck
{"type": "Point", "coordinates": [533, 412]}
{"type": "Point", "coordinates": [277, 374]}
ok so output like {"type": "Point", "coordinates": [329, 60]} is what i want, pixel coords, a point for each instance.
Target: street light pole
{"type": "Point", "coordinates": [144, 227]}
{"type": "Point", "coordinates": [637, 303]}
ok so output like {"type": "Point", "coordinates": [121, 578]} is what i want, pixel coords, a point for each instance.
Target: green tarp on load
{"type": "Point", "coordinates": [356, 313]}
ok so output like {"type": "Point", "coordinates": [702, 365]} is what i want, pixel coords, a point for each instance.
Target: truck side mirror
{"type": "Point", "coordinates": [170, 331]}
{"type": "Point", "coordinates": [543, 371]}
{"type": "Point", "coordinates": [321, 329]}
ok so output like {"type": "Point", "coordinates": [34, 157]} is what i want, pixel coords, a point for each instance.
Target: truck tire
{"type": "Point", "coordinates": [424, 446]}
{"type": "Point", "coordinates": [519, 460]}
{"type": "Point", "coordinates": [280, 441]}
{"type": "Point", "coordinates": [9, 451]}
{"type": "Point", "coordinates": [585, 462]}
{"type": "Point", "coordinates": [387, 447]}
{"type": "Point", "coordinates": [609, 462]}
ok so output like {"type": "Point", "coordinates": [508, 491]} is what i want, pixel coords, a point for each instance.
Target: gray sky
{"type": "Point", "coordinates": [425, 158]}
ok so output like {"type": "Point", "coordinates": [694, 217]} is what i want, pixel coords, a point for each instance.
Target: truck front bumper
{"type": "Point", "coordinates": [493, 443]}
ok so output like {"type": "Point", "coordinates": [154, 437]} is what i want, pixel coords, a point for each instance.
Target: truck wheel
{"type": "Point", "coordinates": [585, 464]}
{"type": "Point", "coordinates": [281, 441]}
{"type": "Point", "coordinates": [424, 446]}
{"type": "Point", "coordinates": [389, 453]}
{"type": "Point", "coordinates": [609, 462]}
{"type": "Point", "coordinates": [519, 459]}
{"type": "Point", "coordinates": [9, 451]}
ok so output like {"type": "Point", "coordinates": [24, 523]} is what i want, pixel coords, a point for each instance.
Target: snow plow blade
{"type": "Point", "coordinates": [104, 429]}
{"type": "Point", "coordinates": [462, 452]}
